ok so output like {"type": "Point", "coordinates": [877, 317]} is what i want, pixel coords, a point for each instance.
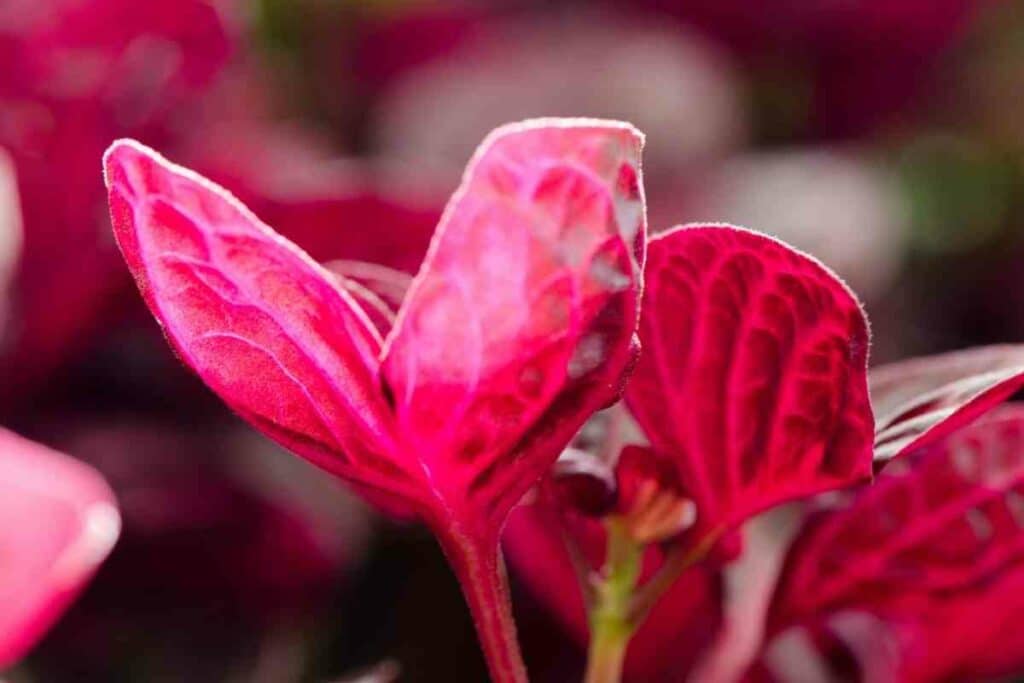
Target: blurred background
{"type": "Point", "coordinates": [882, 136]}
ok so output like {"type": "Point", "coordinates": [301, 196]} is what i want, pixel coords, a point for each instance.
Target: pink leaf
{"type": "Point", "coordinates": [753, 372]}
{"type": "Point", "coordinates": [519, 323]}
{"type": "Point", "coordinates": [58, 521]}
{"type": "Point", "coordinates": [919, 401]}
{"type": "Point", "coordinates": [935, 550]}
{"type": "Point", "coordinates": [266, 327]}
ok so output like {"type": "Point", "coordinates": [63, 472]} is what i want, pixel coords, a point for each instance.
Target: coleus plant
{"type": "Point", "coordinates": [58, 521]}
{"type": "Point", "coordinates": [450, 406]}
{"type": "Point", "coordinates": [752, 390]}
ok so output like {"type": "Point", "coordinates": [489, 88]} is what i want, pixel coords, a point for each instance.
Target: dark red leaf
{"type": "Point", "coordinates": [77, 74]}
{"type": "Point", "coordinates": [934, 552]}
{"type": "Point", "coordinates": [584, 483]}
{"type": "Point", "coordinates": [752, 378]}
{"type": "Point", "coordinates": [919, 401]}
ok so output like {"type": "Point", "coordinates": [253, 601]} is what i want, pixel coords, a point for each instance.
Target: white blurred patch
{"type": "Point", "coordinates": [101, 525]}
{"type": "Point", "coordinates": [11, 234]}
{"type": "Point", "coordinates": [750, 584]}
{"type": "Point", "coordinates": [834, 206]}
{"type": "Point", "coordinates": [671, 84]}
{"type": "Point", "coordinates": [793, 657]}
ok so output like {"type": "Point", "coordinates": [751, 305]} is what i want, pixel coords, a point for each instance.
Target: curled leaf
{"type": "Point", "coordinates": [922, 400]}
{"type": "Point", "coordinates": [652, 506]}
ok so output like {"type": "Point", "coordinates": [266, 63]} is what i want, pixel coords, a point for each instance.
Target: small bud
{"type": "Point", "coordinates": [584, 483]}
{"type": "Point", "coordinates": [651, 501]}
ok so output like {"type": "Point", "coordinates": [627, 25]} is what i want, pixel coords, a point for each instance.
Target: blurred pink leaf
{"type": "Point", "coordinates": [11, 231]}
{"type": "Point", "coordinates": [334, 209]}
{"type": "Point", "coordinates": [76, 74]}
{"type": "Point", "coordinates": [752, 379]}
{"type": "Point", "coordinates": [919, 401]}
{"type": "Point", "coordinates": [58, 521]}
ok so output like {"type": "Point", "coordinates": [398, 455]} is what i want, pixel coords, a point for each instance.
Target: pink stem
{"type": "Point", "coordinates": [481, 572]}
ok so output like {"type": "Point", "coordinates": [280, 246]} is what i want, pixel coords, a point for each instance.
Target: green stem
{"type": "Point", "coordinates": [611, 624]}
{"type": "Point", "coordinates": [619, 606]}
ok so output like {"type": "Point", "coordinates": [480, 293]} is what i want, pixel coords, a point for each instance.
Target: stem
{"type": "Point", "coordinates": [677, 561]}
{"type": "Point", "coordinates": [620, 606]}
{"type": "Point", "coordinates": [481, 572]}
{"type": "Point", "coordinates": [611, 625]}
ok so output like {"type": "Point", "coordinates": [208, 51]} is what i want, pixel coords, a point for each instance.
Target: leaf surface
{"type": "Point", "coordinates": [519, 323]}
{"type": "Point", "coordinates": [752, 378]}
{"type": "Point", "coordinates": [259, 321]}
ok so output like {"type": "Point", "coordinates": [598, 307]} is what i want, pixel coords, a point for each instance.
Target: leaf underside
{"type": "Point", "coordinates": [919, 401]}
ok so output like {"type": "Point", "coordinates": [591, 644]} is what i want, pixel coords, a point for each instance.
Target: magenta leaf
{"type": "Point", "coordinates": [920, 401]}
{"type": "Point", "coordinates": [58, 521]}
{"type": "Point", "coordinates": [519, 325]}
{"type": "Point", "coordinates": [934, 551]}
{"type": "Point", "coordinates": [752, 378]}
{"type": "Point", "coordinates": [241, 304]}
